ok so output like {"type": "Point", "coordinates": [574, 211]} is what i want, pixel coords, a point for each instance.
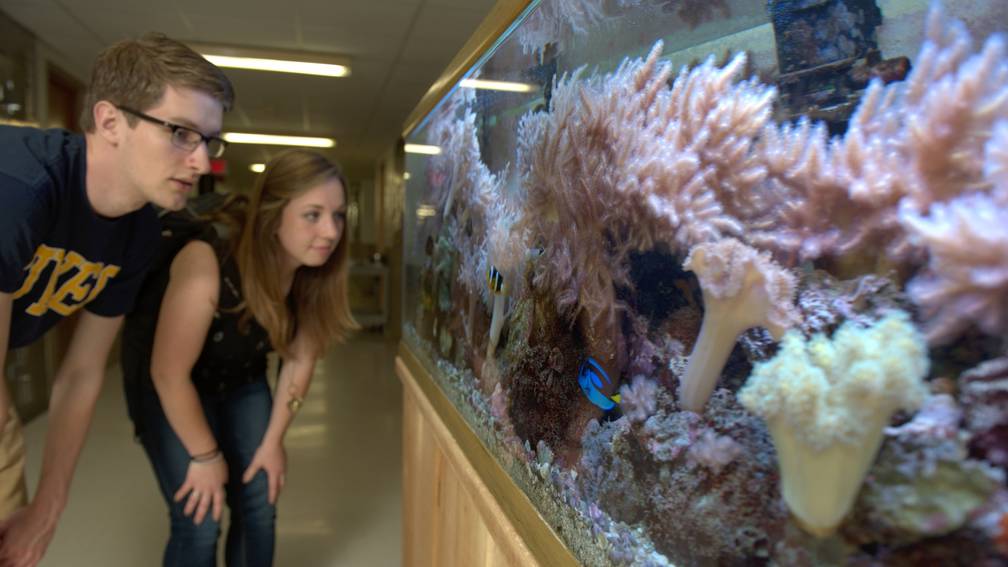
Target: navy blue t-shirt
{"type": "Point", "coordinates": [56, 253]}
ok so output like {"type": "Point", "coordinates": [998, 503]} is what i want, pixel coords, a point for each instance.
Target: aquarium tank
{"type": "Point", "coordinates": [725, 282]}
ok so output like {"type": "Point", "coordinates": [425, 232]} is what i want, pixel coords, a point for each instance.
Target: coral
{"type": "Point", "coordinates": [996, 162]}
{"type": "Point", "coordinates": [540, 379]}
{"type": "Point", "coordinates": [667, 436]}
{"type": "Point", "coordinates": [938, 417]}
{"type": "Point", "coordinates": [923, 484]}
{"type": "Point", "coordinates": [966, 281]}
{"type": "Point", "coordinates": [621, 162]}
{"type": "Point", "coordinates": [984, 396]}
{"type": "Point", "coordinates": [741, 289]}
{"type": "Point", "coordinates": [555, 20]}
{"type": "Point", "coordinates": [694, 160]}
{"type": "Point", "coordinates": [696, 12]}
{"type": "Point", "coordinates": [507, 253]}
{"type": "Point", "coordinates": [643, 353]}
{"type": "Point", "coordinates": [826, 302]}
{"type": "Point", "coordinates": [697, 515]}
{"type": "Point", "coordinates": [638, 399]}
{"type": "Point", "coordinates": [714, 451]}
{"type": "Point", "coordinates": [826, 403]}
{"type": "Point", "coordinates": [847, 195]}
{"type": "Point", "coordinates": [609, 478]}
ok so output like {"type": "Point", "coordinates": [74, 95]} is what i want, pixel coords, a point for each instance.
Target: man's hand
{"type": "Point", "coordinates": [24, 537]}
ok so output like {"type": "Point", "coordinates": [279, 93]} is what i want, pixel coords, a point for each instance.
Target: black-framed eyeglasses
{"type": "Point", "coordinates": [183, 137]}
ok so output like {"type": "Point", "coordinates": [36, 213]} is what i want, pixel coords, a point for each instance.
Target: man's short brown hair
{"type": "Point", "coordinates": [135, 72]}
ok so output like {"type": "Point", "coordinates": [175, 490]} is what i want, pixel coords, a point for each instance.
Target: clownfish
{"type": "Point", "coordinates": [590, 378]}
{"type": "Point", "coordinates": [495, 281]}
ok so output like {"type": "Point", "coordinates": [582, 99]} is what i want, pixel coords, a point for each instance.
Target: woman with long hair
{"type": "Point", "coordinates": [213, 431]}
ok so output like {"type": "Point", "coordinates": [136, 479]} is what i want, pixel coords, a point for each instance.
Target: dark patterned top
{"type": "Point", "coordinates": [233, 354]}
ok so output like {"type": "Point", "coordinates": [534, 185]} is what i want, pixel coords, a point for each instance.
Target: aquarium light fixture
{"type": "Point", "coordinates": [421, 149]}
{"type": "Point", "coordinates": [257, 167]}
{"type": "Point", "coordinates": [274, 140]}
{"type": "Point", "coordinates": [498, 85]}
{"type": "Point", "coordinates": [299, 62]}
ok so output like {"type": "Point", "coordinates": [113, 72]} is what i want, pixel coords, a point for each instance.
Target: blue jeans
{"type": "Point", "coordinates": [238, 419]}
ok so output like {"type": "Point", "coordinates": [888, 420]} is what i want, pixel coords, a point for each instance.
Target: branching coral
{"type": "Point", "coordinates": [693, 157]}
{"type": "Point", "coordinates": [483, 211]}
{"type": "Point", "coordinates": [555, 20]}
{"type": "Point", "coordinates": [826, 403]}
{"type": "Point", "coordinates": [845, 196]}
{"type": "Point", "coordinates": [966, 281]}
{"type": "Point", "coordinates": [622, 161]}
{"type": "Point", "coordinates": [741, 289]}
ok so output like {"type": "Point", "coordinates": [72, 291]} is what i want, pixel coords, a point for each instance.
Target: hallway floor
{"type": "Point", "coordinates": [341, 505]}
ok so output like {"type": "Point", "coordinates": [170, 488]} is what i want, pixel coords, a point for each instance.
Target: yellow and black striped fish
{"type": "Point", "coordinates": [495, 281]}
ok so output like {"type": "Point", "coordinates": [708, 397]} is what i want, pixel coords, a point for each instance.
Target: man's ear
{"type": "Point", "coordinates": [109, 121]}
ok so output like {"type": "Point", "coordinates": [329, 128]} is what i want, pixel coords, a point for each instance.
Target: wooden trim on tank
{"type": "Point", "coordinates": [496, 23]}
{"type": "Point", "coordinates": [518, 510]}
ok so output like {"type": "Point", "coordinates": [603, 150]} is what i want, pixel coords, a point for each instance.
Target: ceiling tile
{"type": "Point", "coordinates": [114, 25]}
{"type": "Point", "coordinates": [397, 49]}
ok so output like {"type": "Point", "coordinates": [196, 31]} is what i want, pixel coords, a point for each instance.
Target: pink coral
{"type": "Point", "coordinates": [622, 162]}
{"type": "Point", "coordinates": [966, 281]}
{"type": "Point", "coordinates": [741, 289]}
{"type": "Point", "coordinates": [848, 194]}
{"type": "Point", "coordinates": [714, 451]}
{"type": "Point", "coordinates": [639, 399]}
{"type": "Point", "coordinates": [556, 20]}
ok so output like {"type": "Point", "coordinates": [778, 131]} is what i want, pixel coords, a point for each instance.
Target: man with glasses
{"type": "Point", "coordinates": [76, 230]}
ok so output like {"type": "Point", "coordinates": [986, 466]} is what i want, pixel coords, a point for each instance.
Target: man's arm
{"type": "Point", "coordinates": [6, 303]}
{"type": "Point", "coordinates": [26, 535]}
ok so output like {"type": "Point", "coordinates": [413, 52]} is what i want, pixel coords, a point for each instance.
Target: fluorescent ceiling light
{"type": "Point", "coordinates": [278, 65]}
{"type": "Point", "coordinates": [279, 60]}
{"type": "Point", "coordinates": [418, 149]}
{"type": "Point", "coordinates": [272, 140]}
{"type": "Point", "coordinates": [406, 176]}
{"type": "Point", "coordinates": [258, 167]}
{"type": "Point", "coordinates": [424, 211]}
{"type": "Point", "coordinates": [498, 85]}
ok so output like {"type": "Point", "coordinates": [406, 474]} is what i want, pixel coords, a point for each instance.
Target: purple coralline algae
{"type": "Point", "coordinates": [984, 396]}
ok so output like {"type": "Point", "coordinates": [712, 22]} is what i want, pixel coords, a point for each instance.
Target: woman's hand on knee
{"type": "Point", "coordinates": [204, 488]}
{"type": "Point", "coordinates": [271, 458]}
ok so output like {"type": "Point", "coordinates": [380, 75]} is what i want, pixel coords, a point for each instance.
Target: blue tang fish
{"type": "Point", "coordinates": [590, 378]}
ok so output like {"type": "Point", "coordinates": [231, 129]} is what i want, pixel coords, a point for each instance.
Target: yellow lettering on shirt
{"type": "Point", "coordinates": [86, 281]}
{"type": "Point", "coordinates": [76, 286]}
{"type": "Point", "coordinates": [43, 256]}
{"type": "Point", "coordinates": [107, 273]}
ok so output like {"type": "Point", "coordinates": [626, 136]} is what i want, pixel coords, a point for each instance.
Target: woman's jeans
{"type": "Point", "coordinates": [238, 419]}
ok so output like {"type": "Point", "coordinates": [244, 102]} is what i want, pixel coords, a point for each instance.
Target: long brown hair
{"type": "Point", "coordinates": [317, 305]}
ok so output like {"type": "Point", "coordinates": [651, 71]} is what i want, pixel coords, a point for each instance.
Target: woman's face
{"type": "Point", "coordinates": [311, 224]}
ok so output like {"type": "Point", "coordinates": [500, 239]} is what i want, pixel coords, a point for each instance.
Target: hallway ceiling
{"type": "Point", "coordinates": [397, 48]}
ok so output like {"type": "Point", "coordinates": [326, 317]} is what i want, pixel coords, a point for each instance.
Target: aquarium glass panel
{"type": "Point", "coordinates": [725, 282]}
